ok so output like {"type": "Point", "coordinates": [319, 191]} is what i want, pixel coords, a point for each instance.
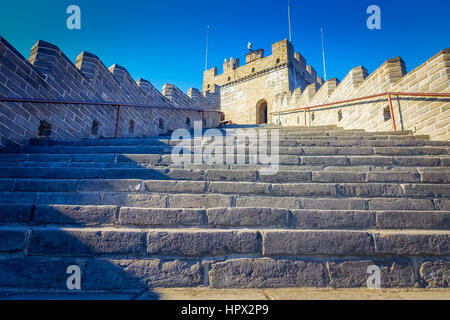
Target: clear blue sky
{"type": "Point", "coordinates": [164, 41]}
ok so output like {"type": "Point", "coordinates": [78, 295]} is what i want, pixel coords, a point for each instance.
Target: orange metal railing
{"type": "Point", "coordinates": [384, 94]}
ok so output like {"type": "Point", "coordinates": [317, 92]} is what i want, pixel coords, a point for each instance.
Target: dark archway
{"type": "Point", "coordinates": [261, 112]}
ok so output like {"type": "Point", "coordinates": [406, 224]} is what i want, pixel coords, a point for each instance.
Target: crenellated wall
{"type": "Point", "coordinates": [49, 75]}
{"type": "Point", "coordinates": [422, 115]}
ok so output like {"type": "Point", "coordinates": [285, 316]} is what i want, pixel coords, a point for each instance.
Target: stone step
{"type": "Point", "coordinates": [305, 150]}
{"type": "Point", "coordinates": [287, 128]}
{"type": "Point", "coordinates": [339, 132]}
{"type": "Point", "coordinates": [256, 217]}
{"type": "Point", "coordinates": [281, 142]}
{"type": "Point", "coordinates": [281, 133]}
{"type": "Point", "coordinates": [132, 242]}
{"type": "Point", "coordinates": [319, 187]}
{"type": "Point", "coordinates": [294, 160]}
{"type": "Point", "coordinates": [341, 201]}
{"type": "Point", "coordinates": [211, 200]}
{"type": "Point", "coordinates": [328, 273]}
{"type": "Point", "coordinates": [328, 141]}
{"type": "Point", "coordinates": [432, 166]}
{"type": "Point", "coordinates": [361, 138]}
{"type": "Point", "coordinates": [237, 175]}
{"type": "Point", "coordinates": [24, 274]}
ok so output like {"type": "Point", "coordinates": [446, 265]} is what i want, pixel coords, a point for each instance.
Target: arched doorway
{"type": "Point", "coordinates": [261, 112]}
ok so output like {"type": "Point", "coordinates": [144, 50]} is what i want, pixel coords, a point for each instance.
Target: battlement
{"type": "Point", "coordinates": [254, 55]}
{"type": "Point", "coordinates": [49, 75]}
{"type": "Point", "coordinates": [423, 116]}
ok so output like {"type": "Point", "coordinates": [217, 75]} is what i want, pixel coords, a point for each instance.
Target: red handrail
{"type": "Point", "coordinates": [388, 94]}
{"type": "Point", "coordinates": [94, 103]}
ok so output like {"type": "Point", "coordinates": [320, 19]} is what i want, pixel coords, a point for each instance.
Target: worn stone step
{"type": "Point", "coordinates": [99, 149]}
{"type": "Point", "coordinates": [306, 138]}
{"type": "Point", "coordinates": [136, 275]}
{"type": "Point", "coordinates": [212, 200]}
{"type": "Point", "coordinates": [320, 186]}
{"type": "Point", "coordinates": [22, 274]}
{"type": "Point", "coordinates": [98, 165]}
{"type": "Point", "coordinates": [220, 242]}
{"type": "Point", "coordinates": [128, 241]}
{"type": "Point", "coordinates": [283, 141]}
{"type": "Point", "coordinates": [283, 218]}
{"type": "Point", "coordinates": [355, 243]}
{"type": "Point", "coordinates": [433, 166]}
{"type": "Point", "coordinates": [256, 217]}
{"type": "Point", "coordinates": [168, 140]}
{"type": "Point", "coordinates": [329, 273]}
{"type": "Point", "coordinates": [405, 175]}
{"type": "Point", "coordinates": [107, 160]}
{"type": "Point", "coordinates": [282, 150]}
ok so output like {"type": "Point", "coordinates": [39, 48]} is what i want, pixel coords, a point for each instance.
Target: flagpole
{"type": "Point", "coordinates": [323, 55]}
{"type": "Point", "coordinates": [289, 18]}
{"type": "Point", "coordinates": [207, 40]}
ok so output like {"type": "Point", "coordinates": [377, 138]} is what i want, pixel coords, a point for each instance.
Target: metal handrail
{"type": "Point", "coordinates": [96, 103]}
{"type": "Point", "coordinates": [388, 94]}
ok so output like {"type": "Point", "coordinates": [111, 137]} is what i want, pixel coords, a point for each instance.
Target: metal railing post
{"type": "Point", "coordinates": [391, 109]}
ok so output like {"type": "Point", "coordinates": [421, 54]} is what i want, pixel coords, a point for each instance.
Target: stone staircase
{"type": "Point", "coordinates": [132, 220]}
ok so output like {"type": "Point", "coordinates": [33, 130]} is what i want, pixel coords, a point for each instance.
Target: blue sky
{"type": "Point", "coordinates": [164, 41]}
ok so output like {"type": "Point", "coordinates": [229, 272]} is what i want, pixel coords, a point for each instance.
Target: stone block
{"type": "Point", "coordinates": [267, 273]}
{"type": "Point", "coordinates": [353, 274]}
{"type": "Point", "coordinates": [435, 274]}
{"type": "Point", "coordinates": [201, 243]}
{"type": "Point", "coordinates": [64, 241]}
{"type": "Point", "coordinates": [155, 217]}
{"type": "Point", "coordinates": [317, 243]}
{"type": "Point", "coordinates": [248, 217]}
{"type": "Point", "coordinates": [75, 215]}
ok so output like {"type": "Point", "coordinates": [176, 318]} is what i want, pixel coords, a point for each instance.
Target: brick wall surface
{"type": "Point", "coordinates": [50, 75]}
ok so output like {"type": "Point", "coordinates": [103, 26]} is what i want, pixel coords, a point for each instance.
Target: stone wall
{"type": "Point", "coordinates": [423, 116]}
{"type": "Point", "coordinates": [50, 75]}
{"type": "Point", "coordinates": [242, 88]}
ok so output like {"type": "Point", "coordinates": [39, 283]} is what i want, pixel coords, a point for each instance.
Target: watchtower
{"type": "Point", "coordinates": [247, 92]}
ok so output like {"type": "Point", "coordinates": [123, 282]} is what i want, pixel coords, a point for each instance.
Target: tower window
{"type": "Point", "coordinates": [339, 115]}
{"type": "Point", "coordinates": [161, 123]}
